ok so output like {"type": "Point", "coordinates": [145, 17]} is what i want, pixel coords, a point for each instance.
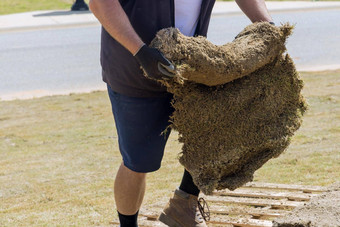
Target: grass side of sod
{"type": "Point", "coordinates": [59, 156]}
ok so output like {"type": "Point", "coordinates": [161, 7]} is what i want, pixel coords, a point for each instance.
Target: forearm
{"type": "Point", "coordinates": [256, 10]}
{"type": "Point", "coordinates": [113, 18]}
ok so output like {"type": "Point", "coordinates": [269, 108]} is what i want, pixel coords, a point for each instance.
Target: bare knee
{"type": "Point", "coordinates": [130, 173]}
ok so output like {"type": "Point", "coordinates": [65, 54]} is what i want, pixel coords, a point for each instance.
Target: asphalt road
{"type": "Point", "coordinates": [64, 60]}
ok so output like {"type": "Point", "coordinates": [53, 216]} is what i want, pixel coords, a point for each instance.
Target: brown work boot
{"type": "Point", "coordinates": [182, 211]}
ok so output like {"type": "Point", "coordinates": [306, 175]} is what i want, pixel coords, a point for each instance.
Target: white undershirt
{"type": "Point", "coordinates": [186, 15]}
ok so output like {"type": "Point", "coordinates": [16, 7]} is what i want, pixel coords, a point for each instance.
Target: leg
{"type": "Point", "coordinates": [129, 190]}
{"type": "Point", "coordinates": [182, 210]}
{"type": "Point", "coordinates": [188, 185]}
{"type": "Point", "coordinates": [140, 123]}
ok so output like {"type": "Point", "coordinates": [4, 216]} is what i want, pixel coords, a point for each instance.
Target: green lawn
{"type": "Point", "coordinates": [59, 156]}
{"type": "Point", "coordinates": [18, 6]}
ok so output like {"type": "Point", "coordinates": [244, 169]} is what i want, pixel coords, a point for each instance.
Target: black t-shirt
{"type": "Point", "coordinates": [119, 68]}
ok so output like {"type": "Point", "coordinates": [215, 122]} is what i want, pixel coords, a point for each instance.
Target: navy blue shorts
{"type": "Point", "coordinates": [140, 124]}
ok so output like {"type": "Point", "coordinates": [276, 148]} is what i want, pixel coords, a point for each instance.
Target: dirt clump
{"type": "Point", "coordinates": [200, 61]}
{"type": "Point", "coordinates": [230, 130]}
{"type": "Point", "coordinates": [320, 211]}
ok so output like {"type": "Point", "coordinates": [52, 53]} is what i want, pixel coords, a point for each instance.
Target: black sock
{"type": "Point", "coordinates": [187, 184]}
{"type": "Point", "coordinates": [128, 220]}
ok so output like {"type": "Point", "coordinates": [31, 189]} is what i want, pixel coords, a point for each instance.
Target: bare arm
{"type": "Point", "coordinates": [113, 18]}
{"type": "Point", "coordinates": [256, 10]}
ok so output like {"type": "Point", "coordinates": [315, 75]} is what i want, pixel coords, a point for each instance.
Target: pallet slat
{"type": "Point", "coordinates": [259, 213]}
{"type": "Point", "coordinates": [150, 215]}
{"type": "Point", "coordinates": [307, 189]}
{"type": "Point", "coordinates": [268, 195]}
{"type": "Point", "coordinates": [254, 202]}
{"type": "Point", "coordinates": [242, 223]}
{"type": "Point", "coordinates": [216, 220]}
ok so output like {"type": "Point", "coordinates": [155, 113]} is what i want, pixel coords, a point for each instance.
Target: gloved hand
{"type": "Point", "coordinates": [154, 63]}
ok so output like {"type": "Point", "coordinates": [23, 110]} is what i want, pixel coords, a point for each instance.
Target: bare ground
{"type": "Point", "coordinates": [321, 211]}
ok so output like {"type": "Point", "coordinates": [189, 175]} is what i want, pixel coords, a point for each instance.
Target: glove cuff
{"type": "Point", "coordinates": [139, 49]}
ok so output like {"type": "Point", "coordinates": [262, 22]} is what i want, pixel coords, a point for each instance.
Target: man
{"type": "Point", "coordinates": [140, 105]}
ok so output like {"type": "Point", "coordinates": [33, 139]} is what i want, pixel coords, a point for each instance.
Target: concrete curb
{"type": "Point", "coordinates": [231, 8]}
{"type": "Point", "coordinates": [45, 27]}
{"type": "Point", "coordinates": [24, 95]}
{"type": "Point", "coordinates": [61, 19]}
{"type": "Point", "coordinates": [46, 20]}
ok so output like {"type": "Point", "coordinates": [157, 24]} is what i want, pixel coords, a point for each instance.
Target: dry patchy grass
{"type": "Point", "coordinates": [59, 155]}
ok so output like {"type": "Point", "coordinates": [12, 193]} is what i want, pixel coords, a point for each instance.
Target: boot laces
{"type": "Point", "coordinates": [204, 209]}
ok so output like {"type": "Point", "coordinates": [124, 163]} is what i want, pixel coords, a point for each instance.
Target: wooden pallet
{"type": "Point", "coordinates": [253, 205]}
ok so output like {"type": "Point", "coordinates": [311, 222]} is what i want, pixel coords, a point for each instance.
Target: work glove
{"type": "Point", "coordinates": [155, 65]}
